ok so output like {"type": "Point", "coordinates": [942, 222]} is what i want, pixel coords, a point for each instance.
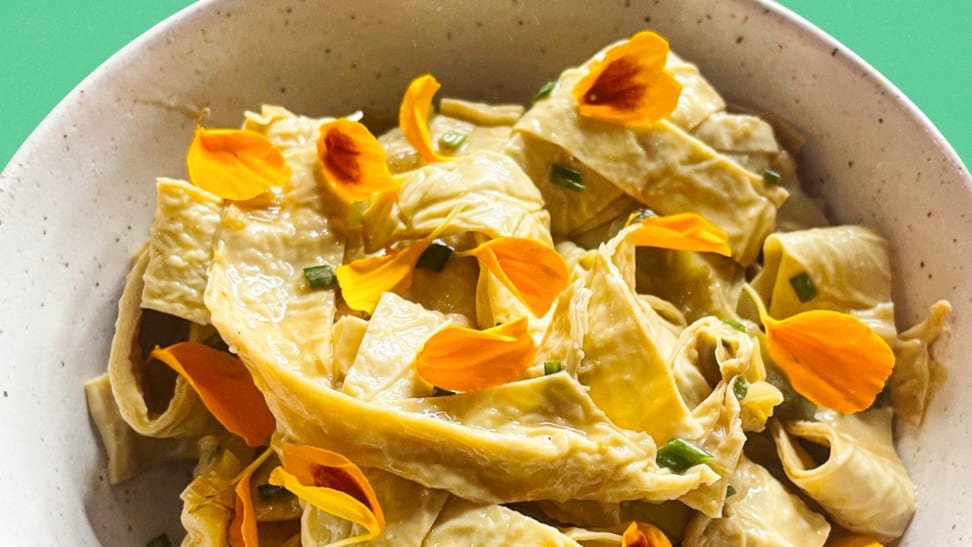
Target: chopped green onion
{"type": "Point", "coordinates": [679, 455]}
{"type": "Point", "coordinates": [552, 367]}
{"type": "Point", "coordinates": [730, 491]}
{"type": "Point", "coordinates": [161, 540]}
{"type": "Point", "coordinates": [545, 90]}
{"type": "Point", "coordinates": [740, 388]}
{"type": "Point", "coordinates": [452, 140]}
{"type": "Point", "coordinates": [771, 176]}
{"type": "Point", "coordinates": [435, 257]}
{"type": "Point", "coordinates": [734, 324]}
{"type": "Point", "coordinates": [566, 177]}
{"type": "Point", "coordinates": [803, 287]}
{"type": "Point", "coordinates": [439, 392]}
{"type": "Point", "coordinates": [267, 491]}
{"type": "Point", "coordinates": [320, 277]}
{"type": "Point", "coordinates": [213, 453]}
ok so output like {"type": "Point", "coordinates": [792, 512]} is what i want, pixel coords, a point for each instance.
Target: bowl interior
{"type": "Point", "coordinates": [76, 201]}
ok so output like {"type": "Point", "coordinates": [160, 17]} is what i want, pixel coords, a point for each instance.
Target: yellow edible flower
{"type": "Point", "coordinates": [234, 163]}
{"type": "Point", "coordinates": [353, 161]}
{"type": "Point", "coordinates": [243, 528]}
{"type": "Point", "coordinates": [332, 483]}
{"type": "Point", "coordinates": [682, 232]}
{"type": "Point", "coordinates": [630, 85]}
{"type": "Point", "coordinates": [833, 359]}
{"type": "Point", "coordinates": [643, 534]}
{"type": "Point", "coordinates": [225, 387]}
{"type": "Point", "coordinates": [532, 271]}
{"type": "Point", "coordinates": [855, 541]}
{"type": "Point", "coordinates": [463, 359]}
{"type": "Point", "coordinates": [413, 116]}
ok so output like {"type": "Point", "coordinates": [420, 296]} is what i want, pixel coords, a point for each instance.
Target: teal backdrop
{"type": "Point", "coordinates": [49, 46]}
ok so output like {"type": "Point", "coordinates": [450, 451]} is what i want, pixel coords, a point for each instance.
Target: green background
{"type": "Point", "coordinates": [49, 46]}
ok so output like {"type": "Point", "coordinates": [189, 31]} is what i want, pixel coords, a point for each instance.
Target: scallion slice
{"type": "Point", "coordinates": [566, 177]}
{"type": "Point", "coordinates": [161, 540]}
{"type": "Point", "coordinates": [803, 287]}
{"type": "Point", "coordinates": [734, 324]}
{"type": "Point", "coordinates": [679, 455]}
{"type": "Point", "coordinates": [544, 90]}
{"type": "Point", "coordinates": [452, 140]}
{"type": "Point", "coordinates": [771, 176]}
{"type": "Point", "coordinates": [267, 491]}
{"type": "Point", "coordinates": [740, 388]}
{"type": "Point", "coordinates": [434, 257]}
{"type": "Point", "coordinates": [552, 367]}
{"type": "Point", "coordinates": [320, 277]}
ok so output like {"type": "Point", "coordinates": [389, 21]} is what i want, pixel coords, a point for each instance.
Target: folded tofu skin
{"type": "Point", "coordinates": [607, 316]}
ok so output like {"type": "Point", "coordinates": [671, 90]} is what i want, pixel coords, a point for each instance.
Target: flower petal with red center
{"type": "Point", "coordinates": [332, 483]}
{"type": "Point", "coordinates": [413, 116]}
{"type": "Point", "coordinates": [833, 359]}
{"type": "Point", "coordinates": [643, 534]}
{"type": "Point", "coordinates": [682, 232]}
{"type": "Point", "coordinates": [353, 161]}
{"type": "Point", "coordinates": [225, 386]}
{"type": "Point", "coordinates": [532, 271]}
{"type": "Point", "coordinates": [462, 359]}
{"type": "Point", "coordinates": [234, 163]}
{"type": "Point", "coordinates": [630, 85]}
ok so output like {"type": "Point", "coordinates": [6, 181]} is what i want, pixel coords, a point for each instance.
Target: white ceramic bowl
{"type": "Point", "coordinates": [77, 199]}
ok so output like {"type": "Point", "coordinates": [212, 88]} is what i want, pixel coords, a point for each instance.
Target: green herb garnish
{"type": "Point", "coordinates": [320, 277]}
{"type": "Point", "coordinates": [161, 540]}
{"type": "Point", "coordinates": [740, 388]}
{"type": "Point", "coordinates": [771, 176]}
{"type": "Point", "coordinates": [734, 324]}
{"type": "Point", "coordinates": [267, 491]}
{"type": "Point", "coordinates": [552, 367]}
{"type": "Point", "coordinates": [544, 90]}
{"type": "Point", "coordinates": [803, 287]}
{"type": "Point", "coordinates": [452, 140]}
{"type": "Point", "coordinates": [566, 177]}
{"type": "Point", "coordinates": [679, 455]}
{"type": "Point", "coordinates": [730, 491]}
{"type": "Point", "coordinates": [434, 257]}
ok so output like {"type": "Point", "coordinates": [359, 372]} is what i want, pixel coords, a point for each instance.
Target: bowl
{"type": "Point", "coordinates": [77, 199]}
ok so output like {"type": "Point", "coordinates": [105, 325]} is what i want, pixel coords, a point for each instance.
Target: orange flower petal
{"type": "Point", "coordinates": [243, 528]}
{"type": "Point", "coordinates": [413, 116]}
{"type": "Point", "coordinates": [224, 386]}
{"type": "Point", "coordinates": [363, 281]}
{"type": "Point", "coordinates": [855, 541]}
{"type": "Point", "coordinates": [642, 534]}
{"type": "Point", "coordinates": [353, 161]}
{"type": "Point", "coordinates": [462, 359]}
{"type": "Point", "coordinates": [532, 271]}
{"type": "Point", "coordinates": [630, 85]}
{"type": "Point", "coordinates": [682, 232]}
{"type": "Point", "coordinates": [833, 359]}
{"type": "Point", "coordinates": [235, 164]}
{"type": "Point", "coordinates": [332, 483]}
